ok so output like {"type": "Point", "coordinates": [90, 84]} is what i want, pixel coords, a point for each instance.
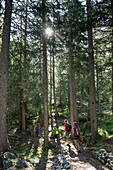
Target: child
{"type": "Point", "coordinates": [55, 134]}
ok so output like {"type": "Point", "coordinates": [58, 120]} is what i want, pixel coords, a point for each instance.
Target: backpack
{"type": "Point", "coordinates": [56, 132]}
{"type": "Point", "coordinates": [77, 131]}
{"type": "Point", "coordinates": [69, 127]}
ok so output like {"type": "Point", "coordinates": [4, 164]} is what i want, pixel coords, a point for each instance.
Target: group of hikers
{"type": "Point", "coordinates": [74, 132]}
{"type": "Point", "coordinates": [69, 132]}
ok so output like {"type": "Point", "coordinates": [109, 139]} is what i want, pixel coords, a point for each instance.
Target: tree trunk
{"type": "Point", "coordinates": [73, 107]}
{"type": "Point", "coordinates": [97, 82]}
{"type": "Point", "coordinates": [54, 93]}
{"type": "Point", "coordinates": [45, 76]}
{"type": "Point", "coordinates": [112, 49]}
{"type": "Point", "coordinates": [60, 90]}
{"type": "Point", "coordinates": [92, 92]}
{"type": "Point", "coordinates": [80, 104]}
{"type": "Point", "coordinates": [24, 92]}
{"type": "Point", "coordinates": [50, 103]}
{"type": "Point", "coordinates": [23, 73]}
{"type": "Point", "coordinates": [4, 144]}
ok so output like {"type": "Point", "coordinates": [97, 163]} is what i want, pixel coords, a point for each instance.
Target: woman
{"type": "Point", "coordinates": [67, 132]}
{"type": "Point", "coordinates": [76, 132]}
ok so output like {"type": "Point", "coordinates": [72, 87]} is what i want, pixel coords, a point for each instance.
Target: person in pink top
{"type": "Point", "coordinates": [76, 132]}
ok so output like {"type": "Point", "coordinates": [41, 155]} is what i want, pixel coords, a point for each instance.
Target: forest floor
{"type": "Point", "coordinates": [32, 147]}
{"type": "Point", "coordinates": [78, 161]}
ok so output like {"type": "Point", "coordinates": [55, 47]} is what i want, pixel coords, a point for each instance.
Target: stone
{"type": "Point", "coordinates": [7, 164]}
{"type": "Point", "coordinates": [9, 155]}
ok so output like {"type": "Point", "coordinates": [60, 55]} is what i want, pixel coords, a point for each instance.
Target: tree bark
{"type": "Point", "coordinates": [112, 49]}
{"type": "Point", "coordinates": [45, 76]}
{"type": "Point", "coordinates": [50, 103]}
{"type": "Point", "coordinates": [54, 92]}
{"type": "Point", "coordinates": [92, 91]}
{"type": "Point", "coordinates": [4, 59]}
{"type": "Point", "coordinates": [24, 93]}
{"type": "Point", "coordinates": [73, 107]}
{"type": "Point", "coordinates": [97, 82]}
{"type": "Point", "coordinates": [23, 72]}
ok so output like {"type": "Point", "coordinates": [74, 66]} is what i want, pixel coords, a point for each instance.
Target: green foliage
{"type": "Point", "coordinates": [83, 117]}
{"type": "Point", "coordinates": [105, 125]}
{"type": "Point", "coordinates": [26, 71]}
{"type": "Point", "coordinates": [103, 132]}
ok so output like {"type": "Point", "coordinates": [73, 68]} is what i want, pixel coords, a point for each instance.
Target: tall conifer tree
{"type": "Point", "coordinates": [4, 59]}
{"type": "Point", "coordinates": [92, 92]}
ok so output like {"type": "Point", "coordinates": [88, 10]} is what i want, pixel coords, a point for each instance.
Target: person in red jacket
{"type": "Point", "coordinates": [37, 129]}
{"type": "Point", "coordinates": [76, 132]}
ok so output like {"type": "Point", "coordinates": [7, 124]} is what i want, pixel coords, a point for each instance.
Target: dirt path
{"type": "Point", "coordinates": [78, 161]}
{"type": "Point", "coordinates": [83, 160]}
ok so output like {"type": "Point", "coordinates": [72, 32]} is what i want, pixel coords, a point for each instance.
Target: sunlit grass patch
{"type": "Point", "coordinates": [12, 131]}
{"type": "Point", "coordinates": [103, 132]}
{"type": "Point", "coordinates": [105, 125]}
{"type": "Point", "coordinates": [50, 153]}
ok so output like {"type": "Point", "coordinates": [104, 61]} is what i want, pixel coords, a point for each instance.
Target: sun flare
{"type": "Point", "coordinates": [48, 31]}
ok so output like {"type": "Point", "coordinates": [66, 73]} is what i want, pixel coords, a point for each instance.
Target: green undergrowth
{"type": "Point", "coordinates": [105, 130]}
{"type": "Point", "coordinates": [28, 146]}
{"type": "Point", "coordinates": [105, 125]}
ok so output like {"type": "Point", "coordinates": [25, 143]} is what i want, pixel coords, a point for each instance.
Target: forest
{"type": "Point", "coordinates": [56, 63]}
